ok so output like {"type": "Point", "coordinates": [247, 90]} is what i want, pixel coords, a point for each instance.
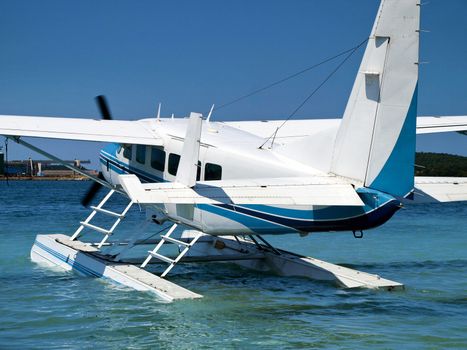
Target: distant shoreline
{"type": "Point", "coordinates": [43, 178]}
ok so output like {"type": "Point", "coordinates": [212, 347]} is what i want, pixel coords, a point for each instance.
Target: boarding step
{"type": "Point", "coordinates": [99, 209]}
{"type": "Point", "coordinates": [161, 257]}
{"type": "Point", "coordinates": [108, 212]}
{"type": "Point", "coordinates": [96, 228]}
{"type": "Point", "coordinates": [175, 241]}
{"type": "Point", "coordinates": [166, 238]}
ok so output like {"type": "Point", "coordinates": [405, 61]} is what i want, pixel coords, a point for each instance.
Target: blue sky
{"type": "Point", "coordinates": [57, 55]}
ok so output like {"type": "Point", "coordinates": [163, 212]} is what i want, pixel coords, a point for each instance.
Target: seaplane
{"type": "Point", "coordinates": [227, 185]}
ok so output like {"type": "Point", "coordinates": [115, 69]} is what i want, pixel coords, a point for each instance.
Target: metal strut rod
{"type": "Point", "coordinates": [58, 160]}
{"type": "Point", "coordinates": [274, 250]}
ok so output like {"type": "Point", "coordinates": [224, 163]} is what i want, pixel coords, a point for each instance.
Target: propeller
{"type": "Point", "coordinates": [95, 187]}
{"type": "Point", "coordinates": [93, 190]}
{"type": "Point", "coordinates": [103, 107]}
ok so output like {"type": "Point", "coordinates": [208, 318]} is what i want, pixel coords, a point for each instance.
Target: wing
{"type": "Point", "coordinates": [143, 131]}
{"type": "Point", "coordinates": [440, 189]}
{"type": "Point", "coordinates": [287, 191]}
{"type": "Point", "coordinates": [118, 131]}
{"type": "Point", "coordinates": [427, 125]}
{"type": "Point", "coordinates": [307, 127]}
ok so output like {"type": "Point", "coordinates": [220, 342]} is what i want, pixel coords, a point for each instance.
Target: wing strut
{"type": "Point", "coordinates": [188, 166]}
{"type": "Point", "coordinates": [58, 160]}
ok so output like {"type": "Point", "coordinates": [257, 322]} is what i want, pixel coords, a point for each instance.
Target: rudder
{"type": "Point", "coordinates": [375, 144]}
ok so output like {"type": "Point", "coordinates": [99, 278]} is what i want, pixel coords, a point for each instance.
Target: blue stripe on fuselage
{"type": "Point", "coordinates": [378, 208]}
{"type": "Point", "coordinates": [108, 154]}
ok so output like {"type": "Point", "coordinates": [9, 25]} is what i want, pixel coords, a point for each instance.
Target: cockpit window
{"type": "Point", "coordinates": [174, 159]}
{"type": "Point", "coordinates": [140, 153]}
{"type": "Point", "coordinates": [157, 158]}
{"type": "Point", "coordinates": [212, 172]}
{"type": "Point", "coordinates": [127, 152]}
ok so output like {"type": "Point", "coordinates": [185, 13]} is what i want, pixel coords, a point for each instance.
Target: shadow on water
{"type": "Point", "coordinates": [428, 264]}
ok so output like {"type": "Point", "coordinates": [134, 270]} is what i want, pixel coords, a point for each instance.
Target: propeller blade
{"type": "Point", "coordinates": [93, 190]}
{"type": "Point", "coordinates": [103, 107]}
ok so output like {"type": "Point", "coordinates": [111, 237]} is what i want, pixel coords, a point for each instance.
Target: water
{"type": "Point", "coordinates": [424, 247]}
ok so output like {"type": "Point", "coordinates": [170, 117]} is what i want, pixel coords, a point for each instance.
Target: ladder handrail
{"type": "Point", "coordinates": [181, 255]}
{"type": "Point", "coordinates": [99, 208]}
{"type": "Point", "coordinates": [116, 223]}
{"type": "Point", "coordinates": [158, 246]}
{"type": "Point", "coordinates": [80, 228]}
{"type": "Point", "coordinates": [172, 262]}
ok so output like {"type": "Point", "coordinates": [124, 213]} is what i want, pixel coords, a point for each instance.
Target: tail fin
{"type": "Point", "coordinates": [375, 143]}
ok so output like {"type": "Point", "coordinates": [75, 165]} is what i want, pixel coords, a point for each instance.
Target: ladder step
{"type": "Point", "coordinates": [96, 228]}
{"type": "Point", "coordinates": [161, 257]}
{"type": "Point", "coordinates": [108, 212]}
{"type": "Point", "coordinates": [174, 241]}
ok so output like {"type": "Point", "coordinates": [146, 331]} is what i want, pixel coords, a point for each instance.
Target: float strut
{"type": "Point", "coordinates": [358, 235]}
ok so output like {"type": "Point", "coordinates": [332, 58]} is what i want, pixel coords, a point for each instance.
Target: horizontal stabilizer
{"type": "Point", "coordinates": [241, 193]}
{"type": "Point", "coordinates": [440, 189]}
{"type": "Point", "coordinates": [428, 125]}
{"type": "Point", "coordinates": [294, 129]}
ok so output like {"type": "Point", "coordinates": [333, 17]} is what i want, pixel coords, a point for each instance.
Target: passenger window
{"type": "Point", "coordinates": [140, 153]}
{"type": "Point", "coordinates": [212, 172]}
{"type": "Point", "coordinates": [127, 152]}
{"type": "Point", "coordinates": [174, 159]}
{"type": "Point", "coordinates": [157, 158]}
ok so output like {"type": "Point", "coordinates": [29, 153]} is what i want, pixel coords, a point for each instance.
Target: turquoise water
{"type": "Point", "coordinates": [425, 247]}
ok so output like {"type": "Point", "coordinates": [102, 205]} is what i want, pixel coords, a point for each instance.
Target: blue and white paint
{"type": "Point", "coordinates": [225, 219]}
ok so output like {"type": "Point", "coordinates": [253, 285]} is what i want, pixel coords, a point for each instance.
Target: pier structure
{"type": "Point", "coordinates": [31, 168]}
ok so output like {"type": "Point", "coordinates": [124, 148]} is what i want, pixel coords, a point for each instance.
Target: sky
{"type": "Point", "coordinates": [57, 55]}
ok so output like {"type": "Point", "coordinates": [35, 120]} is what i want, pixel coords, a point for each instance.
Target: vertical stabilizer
{"type": "Point", "coordinates": [375, 143]}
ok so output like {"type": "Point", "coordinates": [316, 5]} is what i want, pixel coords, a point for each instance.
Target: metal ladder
{"type": "Point", "coordinates": [166, 238]}
{"type": "Point", "coordinates": [99, 209]}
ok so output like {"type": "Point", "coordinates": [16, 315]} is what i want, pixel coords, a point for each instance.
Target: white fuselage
{"type": "Point", "coordinates": [227, 153]}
